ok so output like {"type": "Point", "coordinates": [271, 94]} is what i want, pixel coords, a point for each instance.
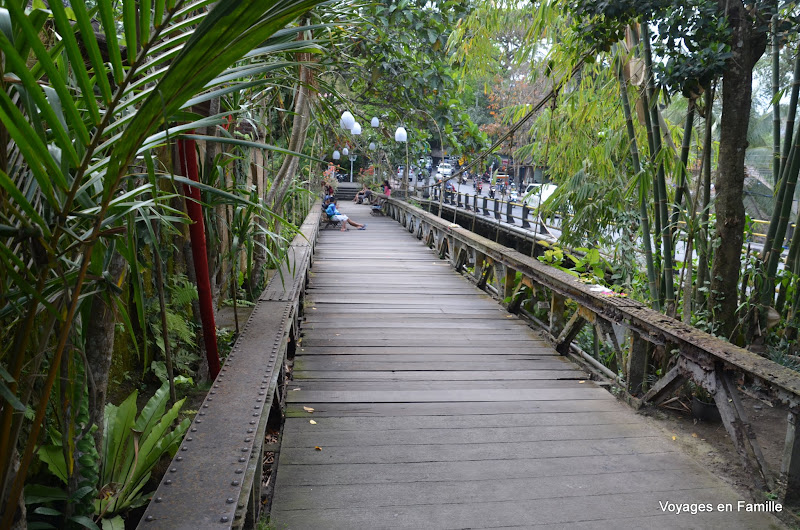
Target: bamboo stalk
{"type": "Point", "coordinates": [644, 220]}
{"type": "Point", "coordinates": [776, 104]}
{"type": "Point", "coordinates": [703, 255]}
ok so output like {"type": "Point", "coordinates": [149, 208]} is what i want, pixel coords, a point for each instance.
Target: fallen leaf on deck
{"type": "Point", "coordinates": [694, 435]}
{"type": "Point", "coordinates": [308, 409]}
{"type": "Point", "coordinates": [312, 422]}
{"type": "Point", "coordinates": [581, 382]}
{"type": "Point", "coordinates": [295, 389]}
{"type": "Point", "coordinates": [318, 448]}
{"type": "Point", "coordinates": [674, 437]}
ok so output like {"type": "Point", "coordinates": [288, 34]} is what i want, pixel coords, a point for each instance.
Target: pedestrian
{"type": "Point", "coordinates": [336, 215]}
{"type": "Point", "coordinates": [387, 189]}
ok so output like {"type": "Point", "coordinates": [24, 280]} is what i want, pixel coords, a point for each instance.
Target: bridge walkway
{"type": "Point", "coordinates": [435, 408]}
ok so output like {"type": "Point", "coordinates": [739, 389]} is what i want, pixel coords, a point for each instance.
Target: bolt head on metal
{"type": "Point", "coordinates": [168, 482]}
{"type": "Point", "coordinates": [239, 471]}
{"type": "Point", "coordinates": [158, 499]}
{"type": "Point", "coordinates": [173, 469]}
{"type": "Point", "coordinates": [242, 459]}
{"type": "Point", "coordinates": [179, 458]}
{"type": "Point", "coordinates": [245, 449]}
{"type": "Point", "coordinates": [235, 483]}
{"type": "Point", "coordinates": [184, 448]}
{"type": "Point", "coordinates": [193, 429]}
{"type": "Point", "coordinates": [149, 518]}
{"type": "Point", "coordinates": [229, 500]}
{"type": "Point", "coordinates": [224, 519]}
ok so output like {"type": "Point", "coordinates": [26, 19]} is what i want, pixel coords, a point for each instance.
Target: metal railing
{"type": "Point", "coordinates": [635, 331]}
{"type": "Point", "coordinates": [214, 480]}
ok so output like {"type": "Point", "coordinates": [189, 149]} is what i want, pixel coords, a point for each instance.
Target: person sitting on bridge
{"type": "Point", "coordinates": [336, 215]}
{"type": "Point", "coordinates": [364, 194]}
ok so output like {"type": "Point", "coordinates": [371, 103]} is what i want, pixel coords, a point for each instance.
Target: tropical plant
{"type": "Point", "coordinates": [81, 114]}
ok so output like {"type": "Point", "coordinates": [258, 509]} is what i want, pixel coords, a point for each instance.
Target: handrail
{"type": "Point", "coordinates": [708, 361]}
{"type": "Point", "coordinates": [214, 480]}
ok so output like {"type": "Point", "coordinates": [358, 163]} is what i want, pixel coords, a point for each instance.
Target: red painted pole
{"type": "Point", "coordinates": [188, 163]}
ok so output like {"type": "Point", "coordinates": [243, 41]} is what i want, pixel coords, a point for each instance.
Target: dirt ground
{"type": "Point", "coordinates": [709, 443]}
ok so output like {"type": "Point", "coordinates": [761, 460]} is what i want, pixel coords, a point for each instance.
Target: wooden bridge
{"type": "Point", "coordinates": [418, 401]}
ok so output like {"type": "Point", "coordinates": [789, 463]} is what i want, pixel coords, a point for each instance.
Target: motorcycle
{"type": "Point", "coordinates": [491, 192]}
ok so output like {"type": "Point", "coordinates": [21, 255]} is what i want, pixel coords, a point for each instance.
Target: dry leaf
{"type": "Point", "coordinates": [318, 448]}
{"type": "Point", "coordinates": [581, 382]}
{"type": "Point", "coordinates": [337, 334]}
{"type": "Point", "coordinates": [295, 389]}
{"type": "Point", "coordinates": [694, 435]}
{"type": "Point", "coordinates": [308, 409]}
{"type": "Point", "coordinates": [674, 437]}
{"type": "Point", "coordinates": [312, 422]}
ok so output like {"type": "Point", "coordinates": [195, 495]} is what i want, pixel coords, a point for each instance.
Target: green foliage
{"type": "Point", "coordinates": [132, 446]}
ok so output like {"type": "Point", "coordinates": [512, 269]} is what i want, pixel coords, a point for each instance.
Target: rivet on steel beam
{"type": "Point", "coordinates": [259, 399]}
{"type": "Point", "coordinates": [242, 459]}
{"type": "Point", "coordinates": [235, 483]}
{"type": "Point", "coordinates": [229, 500]}
{"type": "Point", "coordinates": [247, 440]}
{"type": "Point", "coordinates": [210, 398]}
{"type": "Point", "coordinates": [184, 448]}
{"type": "Point", "coordinates": [245, 449]}
{"type": "Point", "coordinates": [189, 438]}
{"type": "Point", "coordinates": [201, 413]}
{"type": "Point", "coordinates": [224, 519]}
{"type": "Point", "coordinates": [158, 499]}
{"type": "Point", "coordinates": [252, 422]}
{"type": "Point", "coordinates": [261, 393]}
{"type": "Point", "coordinates": [249, 431]}
{"type": "Point", "coordinates": [256, 414]}
{"type": "Point", "coordinates": [193, 429]}
{"type": "Point", "coordinates": [257, 406]}
{"type": "Point", "coordinates": [216, 386]}
{"type": "Point", "coordinates": [205, 405]}
{"type": "Point", "coordinates": [173, 469]}
{"type": "Point", "coordinates": [213, 391]}
{"type": "Point", "coordinates": [168, 482]}
{"type": "Point", "coordinates": [149, 518]}
{"type": "Point", "coordinates": [179, 459]}
{"type": "Point", "coordinates": [239, 471]}
{"type": "Point", "coordinates": [198, 420]}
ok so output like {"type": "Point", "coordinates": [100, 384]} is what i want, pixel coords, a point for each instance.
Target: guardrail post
{"type": "Point", "coordinates": [466, 202]}
{"type": "Point", "coordinates": [637, 364]}
{"type": "Point", "coordinates": [496, 209]}
{"type": "Point", "coordinates": [525, 212]}
{"type": "Point", "coordinates": [509, 279]}
{"type": "Point", "coordinates": [556, 314]}
{"type": "Point", "coordinates": [477, 265]}
{"type": "Point", "coordinates": [790, 466]}
{"type": "Point", "coordinates": [458, 200]}
{"type": "Point", "coordinates": [509, 213]}
{"type": "Point", "coordinates": [475, 203]}
{"type": "Point", "coordinates": [485, 206]}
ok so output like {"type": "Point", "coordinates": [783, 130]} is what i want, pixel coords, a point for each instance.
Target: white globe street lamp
{"type": "Point", "coordinates": [372, 146]}
{"type": "Point", "coordinates": [347, 120]}
{"type": "Point", "coordinates": [375, 122]}
{"type": "Point", "coordinates": [336, 155]}
{"type": "Point", "coordinates": [345, 151]}
{"type": "Point", "coordinates": [400, 135]}
{"type": "Point", "coordinates": [356, 130]}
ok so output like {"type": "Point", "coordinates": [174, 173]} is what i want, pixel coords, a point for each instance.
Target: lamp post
{"type": "Point", "coordinates": [352, 159]}
{"type": "Point", "coordinates": [400, 135]}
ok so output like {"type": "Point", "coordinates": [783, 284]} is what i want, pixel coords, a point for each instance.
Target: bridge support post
{"type": "Point", "coordinates": [525, 212]}
{"type": "Point", "coordinates": [458, 200]}
{"type": "Point", "coordinates": [477, 265]}
{"type": "Point", "coordinates": [466, 202]}
{"type": "Point", "coordinates": [556, 314]}
{"type": "Point", "coordinates": [739, 429]}
{"type": "Point", "coordinates": [790, 466]}
{"type": "Point", "coordinates": [637, 365]}
{"type": "Point", "coordinates": [509, 213]}
{"type": "Point", "coordinates": [485, 206]}
{"type": "Point", "coordinates": [496, 210]}
{"type": "Point", "coordinates": [475, 204]}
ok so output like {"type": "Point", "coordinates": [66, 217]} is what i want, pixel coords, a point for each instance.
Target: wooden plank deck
{"type": "Point", "coordinates": [435, 408]}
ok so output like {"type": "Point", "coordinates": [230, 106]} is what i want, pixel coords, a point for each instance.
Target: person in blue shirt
{"type": "Point", "coordinates": [336, 215]}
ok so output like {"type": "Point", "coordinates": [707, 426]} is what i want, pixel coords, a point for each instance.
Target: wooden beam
{"type": "Point", "coordinates": [556, 313]}
{"type": "Point", "coordinates": [569, 333]}
{"type": "Point", "coordinates": [665, 387]}
{"type": "Point", "coordinates": [740, 431]}
{"type": "Point", "coordinates": [790, 466]}
{"type": "Point", "coordinates": [637, 364]}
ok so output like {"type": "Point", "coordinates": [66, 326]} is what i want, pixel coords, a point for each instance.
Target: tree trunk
{"type": "Point", "coordinates": [100, 346]}
{"type": "Point", "coordinates": [747, 45]}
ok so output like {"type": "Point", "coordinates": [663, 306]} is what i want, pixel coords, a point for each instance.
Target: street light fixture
{"type": "Point", "coordinates": [356, 130]}
{"type": "Point", "coordinates": [347, 120]}
{"type": "Point", "coordinates": [352, 159]}
{"type": "Point", "coordinates": [345, 151]}
{"type": "Point", "coordinates": [336, 155]}
{"type": "Point", "coordinates": [375, 122]}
